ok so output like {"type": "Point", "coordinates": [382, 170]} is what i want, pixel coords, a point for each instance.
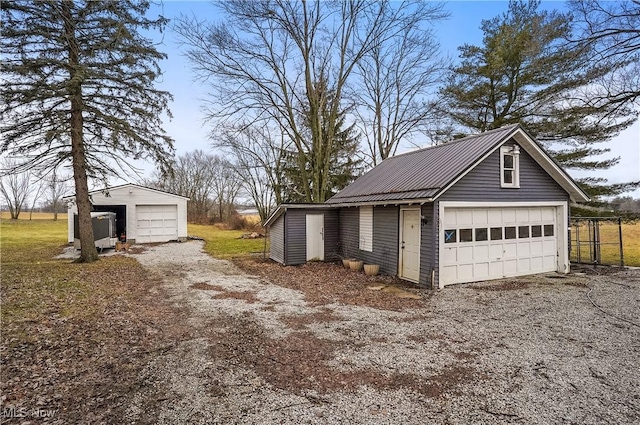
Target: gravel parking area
{"type": "Point", "coordinates": [313, 344]}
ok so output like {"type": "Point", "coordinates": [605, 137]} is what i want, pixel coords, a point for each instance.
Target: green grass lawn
{"type": "Point", "coordinates": [610, 248]}
{"type": "Point", "coordinates": [25, 241]}
{"type": "Point", "coordinates": [226, 243]}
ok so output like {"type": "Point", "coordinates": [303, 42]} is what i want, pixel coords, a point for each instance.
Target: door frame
{"type": "Point", "coordinates": [321, 244]}
{"type": "Point", "coordinates": [562, 231]}
{"type": "Point", "coordinates": [418, 209]}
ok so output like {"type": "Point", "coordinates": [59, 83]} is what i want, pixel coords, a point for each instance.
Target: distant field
{"type": "Point", "coordinates": [4, 215]}
{"type": "Point", "coordinates": [610, 249]}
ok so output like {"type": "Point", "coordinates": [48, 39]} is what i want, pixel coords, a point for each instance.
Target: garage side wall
{"type": "Point", "coordinates": [276, 240]}
{"type": "Point", "coordinates": [385, 237]}
{"type": "Point", "coordinates": [295, 234]}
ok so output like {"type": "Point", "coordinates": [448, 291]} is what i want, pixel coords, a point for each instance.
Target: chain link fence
{"type": "Point", "coordinates": [596, 240]}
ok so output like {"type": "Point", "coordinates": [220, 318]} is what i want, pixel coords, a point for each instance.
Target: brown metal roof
{"type": "Point", "coordinates": [422, 174]}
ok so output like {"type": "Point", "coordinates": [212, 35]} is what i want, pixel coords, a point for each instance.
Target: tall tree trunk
{"type": "Point", "coordinates": [88, 252]}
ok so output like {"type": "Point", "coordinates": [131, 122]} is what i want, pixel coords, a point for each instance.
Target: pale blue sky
{"type": "Point", "coordinates": [189, 131]}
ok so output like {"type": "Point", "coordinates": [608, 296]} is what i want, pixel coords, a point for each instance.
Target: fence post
{"type": "Point", "coordinates": [620, 240]}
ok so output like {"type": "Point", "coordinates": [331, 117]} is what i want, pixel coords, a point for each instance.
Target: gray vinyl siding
{"type": "Point", "coordinates": [435, 229]}
{"type": "Point", "coordinates": [296, 234]}
{"type": "Point", "coordinates": [385, 237]}
{"type": "Point", "coordinates": [276, 240]}
{"type": "Point", "coordinates": [295, 237]}
{"type": "Point", "coordinates": [331, 235]}
{"type": "Point", "coordinates": [427, 248]}
{"type": "Point", "coordinates": [483, 183]}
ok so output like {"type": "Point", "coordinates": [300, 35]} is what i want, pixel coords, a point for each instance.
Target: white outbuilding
{"type": "Point", "coordinates": [143, 214]}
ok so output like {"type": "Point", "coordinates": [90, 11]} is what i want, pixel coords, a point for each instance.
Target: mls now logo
{"type": "Point", "coordinates": [15, 412]}
{"type": "Point", "coordinates": [23, 412]}
{"type": "Point", "coordinates": [43, 413]}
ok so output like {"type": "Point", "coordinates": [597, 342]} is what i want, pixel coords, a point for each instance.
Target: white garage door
{"type": "Point", "coordinates": [491, 243]}
{"type": "Point", "coordinates": [156, 223]}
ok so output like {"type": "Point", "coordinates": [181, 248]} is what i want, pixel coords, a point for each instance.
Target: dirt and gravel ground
{"type": "Point", "coordinates": [313, 344]}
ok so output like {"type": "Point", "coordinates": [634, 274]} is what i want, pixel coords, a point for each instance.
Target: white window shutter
{"type": "Point", "coordinates": [366, 228]}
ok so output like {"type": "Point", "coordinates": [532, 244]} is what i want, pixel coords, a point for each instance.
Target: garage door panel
{"type": "Point", "coordinates": [480, 217]}
{"type": "Point", "coordinates": [509, 215]}
{"type": "Point", "coordinates": [464, 217]}
{"type": "Point", "coordinates": [481, 270]}
{"type": "Point", "coordinates": [496, 252]}
{"type": "Point", "coordinates": [549, 246]}
{"type": "Point", "coordinates": [495, 269]}
{"type": "Point", "coordinates": [522, 216]}
{"type": "Point", "coordinates": [549, 214]}
{"type": "Point", "coordinates": [510, 250]}
{"type": "Point", "coordinates": [481, 252]}
{"type": "Point", "coordinates": [536, 248]}
{"type": "Point", "coordinates": [523, 249]}
{"type": "Point", "coordinates": [449, 217]}
{"type": "Point", "coordinates": [524, 265]}
{"type": "Point", "coordinates": [510, 267]}
{"type": "Point", "coordinates": [465, 272]}
{"type": "Point", "coordinates": [156, 223]}
{"type": "Point", "coordinates": [550, 262]}
{"type": "Point", "coordinates": [465, 253]}
{"type": "Point", "coordinates": [450, 255]}
{"type": "Point", "coordinates": [449, 273]}
{"type": "Point", "coordinates": [535, 215]}
{"type": "Point", "coordinates": [506, 242]}
{"type": "Point", "coordinates": [537, 263]}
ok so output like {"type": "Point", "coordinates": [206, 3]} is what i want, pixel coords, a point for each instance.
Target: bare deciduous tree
{"type": "Point", "coordinates": [259, 155]}
{"type": "Point", "coordinates": [225, 189]}
{"type": "Point", "coordinates": [264, 63]}
{"type": "Point", "coordinates": [398, 79]}
{"type": "Point", "coordinates": [610, 30]}
{"type": "Point", "coordinates": [15, 187]}
{"type": "Point", "coordinates": [194, 175]}
{"type": "Point", "coordinates": [57, 188]}
{"type": "Point", "coordinates": [37, 187]}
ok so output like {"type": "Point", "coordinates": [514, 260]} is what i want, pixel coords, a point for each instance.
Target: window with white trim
{"type": "Point", "coordinates": [510, 166]}
{"type": "Point", "coordinates": [366, 228]}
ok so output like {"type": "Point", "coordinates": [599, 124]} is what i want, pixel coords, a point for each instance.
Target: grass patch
{"type": "Point", "coordinates": [227, 244]}
{"type": "Point", "coordinates": [76, 337]}
{"type": "Point", "coordinates": [610, 249]}
{"type": "Point", "coordinates": [24, 241]}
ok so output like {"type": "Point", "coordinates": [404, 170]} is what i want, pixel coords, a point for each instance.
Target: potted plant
{"type": "Point", "coordinates": [356, 265]}
{"type": "Point", "coordinates": [371, 269]}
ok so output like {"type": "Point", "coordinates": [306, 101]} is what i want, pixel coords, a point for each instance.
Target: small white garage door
{"type": "Point", "coordinates": [492, 243]}
{"type": "Point", "coordinates": [156, 223]}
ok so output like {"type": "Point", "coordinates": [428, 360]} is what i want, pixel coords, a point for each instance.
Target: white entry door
{"type": "Point", "coordinates": [410, 244]}
{"type": "Point", "coordinates": [315, 237]}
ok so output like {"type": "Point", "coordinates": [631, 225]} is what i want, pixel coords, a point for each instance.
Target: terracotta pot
{"type": "Point", "coordinates": [346, 262]}
{"type": "Point", "coordinates": [356, 265]}
{"type": "Point", "coordinates": [371, 269]}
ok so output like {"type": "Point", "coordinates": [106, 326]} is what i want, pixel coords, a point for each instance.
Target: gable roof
{"type": "Point", "coordinates": [130, 185]}
{"type": "Point", "coordinates": [425, 174]}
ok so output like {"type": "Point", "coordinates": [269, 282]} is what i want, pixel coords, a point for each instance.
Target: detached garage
{"type": "Point", "coordinates": [143, 215]}
{"type": "Point", "coordinates": [487, 206]}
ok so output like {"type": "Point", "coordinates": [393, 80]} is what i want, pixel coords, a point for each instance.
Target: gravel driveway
{"type": "Point", "coordinates": [531, 351]}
